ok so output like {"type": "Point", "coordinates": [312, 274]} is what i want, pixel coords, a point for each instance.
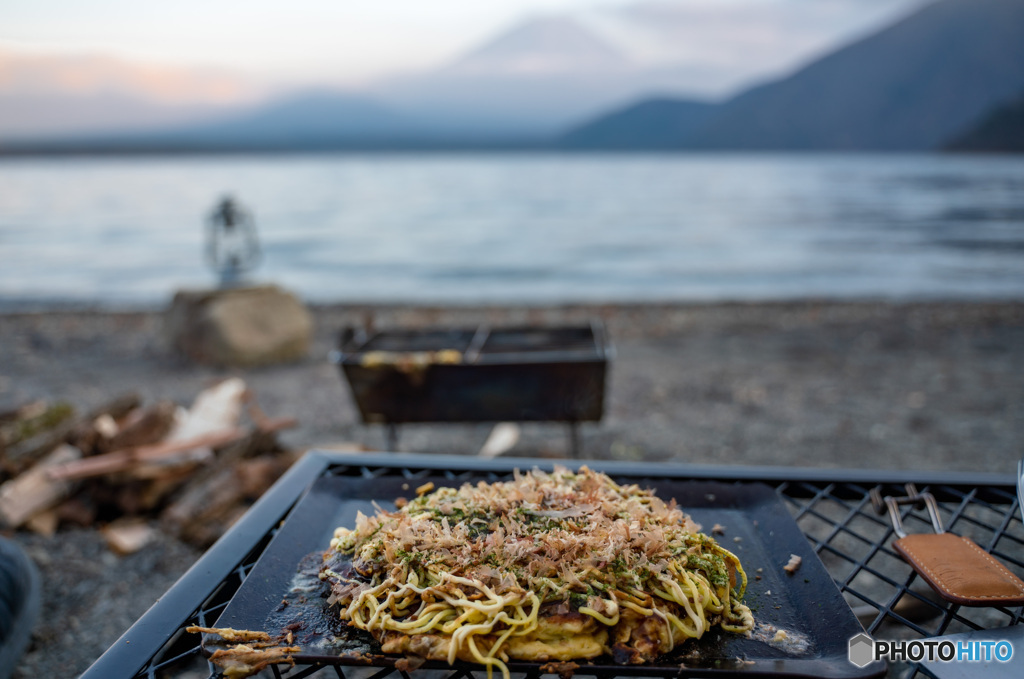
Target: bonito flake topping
{"type": "Point", "coordinates": [548, 566]}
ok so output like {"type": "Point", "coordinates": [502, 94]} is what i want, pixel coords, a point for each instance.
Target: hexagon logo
{"type": "Point", "coordinates": [862, 650]}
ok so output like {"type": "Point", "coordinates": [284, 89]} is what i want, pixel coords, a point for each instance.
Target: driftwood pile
{"type": "Point", "coordinates": [131, 469]}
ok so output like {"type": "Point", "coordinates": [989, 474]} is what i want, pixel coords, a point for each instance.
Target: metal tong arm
{"type": "Point", "coordinates": [892, 504]}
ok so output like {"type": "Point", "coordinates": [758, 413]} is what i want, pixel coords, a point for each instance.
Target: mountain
{"type": "Point", "coordinates": [308, 121]}
{"type": "Point", "coordinates": [302, 120]}
{"type": "Point", "coordinates": [911, 86]}
{"type": "Point", "coordinates": [525, 84]}
{"type": "Point", "coordinates": [550, 72]}
{"type": "Point", "coordinates": [336, 120]}
{"type": "Point", "coordinates": [545, 45]}
{"type": "Point", "coordinates": [1001, 131]}
{"type": "Point", "coordinates": [655, 124]}
{"type": "Point", "coordinates": [533, 79]}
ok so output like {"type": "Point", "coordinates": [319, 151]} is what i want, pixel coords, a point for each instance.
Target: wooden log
{"type": "Point", "coordinates": [106, 426]}
{"type": "Point", "coordinates": [215, 409]}
{"type": "Point", "coordinates": [257, 442]}
{"type": "Point", "coordinates": [32, 420]}
{"type": "Point", "coordinates": [59, 427]}
{"type": "Point", "coordinates": [35, 491]}
{"type": "Point", "coordinates": [26, 441]}
{"type": "Point", "coordinates": [216, 494]}
{"type": "Point", "coordinates": [77, 510]}
{"type": "Point", "coordinates": [210, 423]}
{"type": "Point", "coordinates": [23, 455]}
{"type": "Point", "coordinates": [219, 494]}
{"type": "Point", "coordinates": [259, 474]}
{"type": "Point", "coordinates": [123, 460]}
{"type": "Point", "coordinates": [118, 407]}
{"type": "Point", "coordinates": [144, 495]}
{"type": "Point", "coordinates": [144, 426]}
{"type": "Point", "coordinates": [86, 437]}
{"type": "Point", "coordinates": [167, 454]}
{"type": "Point", "coordinates": [206, 508]}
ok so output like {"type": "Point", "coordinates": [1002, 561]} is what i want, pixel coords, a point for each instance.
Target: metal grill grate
{"type": "Point", "coordinates": [181, 654]}
{"type": "Point", "coordinates": [837, 517]}
{"type": "Point", "coordinates": [890, 599]}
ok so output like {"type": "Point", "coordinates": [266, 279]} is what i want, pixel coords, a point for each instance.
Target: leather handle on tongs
{"type": "Point", "coordinates": [956, 567]}
{"type": "Point", "coordinates": [961, 571]}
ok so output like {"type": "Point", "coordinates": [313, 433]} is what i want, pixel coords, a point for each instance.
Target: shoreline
{"type": "Point", "coordinates": [10, 306]}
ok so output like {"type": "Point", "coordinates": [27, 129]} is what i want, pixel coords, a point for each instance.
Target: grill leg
{"type": "Point", "coordinates": [391, 432]}
{"type": "Point", "coordinates": [574, 440]}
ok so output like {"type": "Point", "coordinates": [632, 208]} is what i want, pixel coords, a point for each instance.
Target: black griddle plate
{"type": "Point", "coordinates": [282, 590]}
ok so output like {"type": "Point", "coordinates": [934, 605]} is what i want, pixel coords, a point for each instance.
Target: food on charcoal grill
{"type": "Point", "coordinates": [548, 566]}
{"type": "Point", "coordinates": [410, 360]}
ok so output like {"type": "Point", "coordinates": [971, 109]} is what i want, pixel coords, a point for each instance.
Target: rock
{"type": "Point", "coordinates": [239, 326]}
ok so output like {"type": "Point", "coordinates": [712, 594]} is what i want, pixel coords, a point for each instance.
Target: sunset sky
{"type": "Point", "coordinates": [342, 42]}
{"type": "Point", "coordinates": [293, 40]}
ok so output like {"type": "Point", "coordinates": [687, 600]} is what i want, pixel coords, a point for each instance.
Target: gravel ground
{"type": "Point", "coordinates": [91, 596]}
{"type": "Point", "coordinates": [936, 386]}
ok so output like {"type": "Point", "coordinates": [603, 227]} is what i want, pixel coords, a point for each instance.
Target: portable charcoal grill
{"type": "Point", "coordinates": [518, 374]}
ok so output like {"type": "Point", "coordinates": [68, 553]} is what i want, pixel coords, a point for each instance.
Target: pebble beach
{"type": "Point", "coordinates": [910, 386]}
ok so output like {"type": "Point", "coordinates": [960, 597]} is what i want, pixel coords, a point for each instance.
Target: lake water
{"type": "Point", "coordinates": [523, 228]}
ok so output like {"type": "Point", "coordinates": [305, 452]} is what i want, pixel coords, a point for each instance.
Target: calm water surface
{"type": "Point", "coordinates": [530, 228]}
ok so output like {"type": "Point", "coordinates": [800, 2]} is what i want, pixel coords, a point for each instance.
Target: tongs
{"type": "Point", "coordinates": [954, 566]}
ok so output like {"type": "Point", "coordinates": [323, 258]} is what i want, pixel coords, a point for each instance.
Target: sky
{"type": "Point", "coordinates": [348, 42]}
{"type": "Point", "coordinates": [293, 40]}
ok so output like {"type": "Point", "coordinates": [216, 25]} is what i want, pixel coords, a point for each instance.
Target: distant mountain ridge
{"type": "Point", "coordinates": [1002, 131]}
{"type": "Point", "coordinates": [655, 124]}
{"type": "Point", "coordinates": [303, 119]}
{"type": "Point", "coordinates": [534, 79]}
{"type": "Point", "coordinates": [523, 85]}
{"type": "Point", "coordinates": [306, 121]}
{"type": "Point", "coordinates": [912, 86]}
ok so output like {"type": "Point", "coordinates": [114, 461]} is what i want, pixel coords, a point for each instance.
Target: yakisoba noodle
{"type": "Point", "coordinates": [557, 566]}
